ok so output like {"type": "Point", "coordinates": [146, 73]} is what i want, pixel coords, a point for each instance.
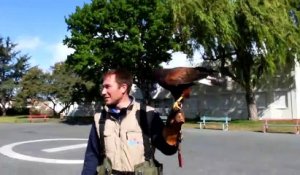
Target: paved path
{"type": "Point", "coordinates": [238, 153]}
{"type": "Point", "coordinates": [205, 152]}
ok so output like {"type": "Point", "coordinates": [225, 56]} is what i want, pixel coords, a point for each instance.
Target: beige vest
{"type": "Point", "coordinates": [123, 141]}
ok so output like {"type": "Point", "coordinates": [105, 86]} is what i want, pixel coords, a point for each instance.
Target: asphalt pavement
{"type": "Point", "coordinates": [53, 148]}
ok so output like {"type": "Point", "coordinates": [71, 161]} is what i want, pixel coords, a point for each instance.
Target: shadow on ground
{"type": "Point", "coordinates": [86, 120]}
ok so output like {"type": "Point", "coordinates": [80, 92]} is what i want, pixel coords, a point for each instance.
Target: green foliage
{"type": "Point", "coordinates": [13, 65]}
{"type": "Point", "coordinates": [33, 85]}
{"type": "Point", "coordinates": [67, 87]}
{"type": "Point", "coordinates": [134, 34]}
{"type": "Point", "coordinates": [33, 89]}
{"type": "Point", "coordinates": [255, 35]}
{"type": "Point", "coordinates": [248, 38]}
{"type": "Point", "coordinates": [62, 86]}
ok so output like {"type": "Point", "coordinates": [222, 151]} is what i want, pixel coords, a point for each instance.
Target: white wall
{"type": "Point", "coordinates": [297, 91]}
{"type": "Point", "coordinates": [275, 101]}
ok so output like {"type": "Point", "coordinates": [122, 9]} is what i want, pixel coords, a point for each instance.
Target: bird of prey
{"type": "Point", "coordinates": [179, 80]}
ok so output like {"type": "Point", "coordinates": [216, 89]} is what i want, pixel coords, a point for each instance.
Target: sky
{"type": "Point", "coordinates": [38, 28]}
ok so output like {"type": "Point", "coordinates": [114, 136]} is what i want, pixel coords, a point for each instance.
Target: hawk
{"type": "Point", "coordinates": [179, 80]}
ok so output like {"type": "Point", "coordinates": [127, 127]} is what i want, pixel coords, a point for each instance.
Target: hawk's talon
{"type": "Point", "coordinates": [177, 106]}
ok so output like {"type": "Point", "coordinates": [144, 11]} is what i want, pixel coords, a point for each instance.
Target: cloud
{"type": "Point", "coordinates": [60, 52]}
{"type": "Point", "coordinates": [42, 53]}
{"type": "Point", "coordinates": [179, 59]}
{"type": "Point", "coordinates": [29, 43]}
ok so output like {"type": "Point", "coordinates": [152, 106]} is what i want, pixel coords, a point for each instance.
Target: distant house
{"type": "Point", "coordinates": [81, 110]}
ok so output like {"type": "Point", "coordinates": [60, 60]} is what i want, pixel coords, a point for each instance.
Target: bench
{"type": "Point", "coordinates": [268, 122]}
{"type": "Point", "coordinates": [213, 119]}
{"type": "Point", "coordinates": [34, 116]}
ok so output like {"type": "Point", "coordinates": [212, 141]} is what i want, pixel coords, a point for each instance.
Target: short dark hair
{"type": "Point", "coordinates": [123, 76]}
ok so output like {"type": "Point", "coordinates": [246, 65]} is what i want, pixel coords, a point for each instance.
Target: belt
{"type": "Point", "coordinates": [115, 172]}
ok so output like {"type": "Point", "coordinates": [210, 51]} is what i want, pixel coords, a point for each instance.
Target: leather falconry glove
{"type": "Point", "coordinates": [172, 130]}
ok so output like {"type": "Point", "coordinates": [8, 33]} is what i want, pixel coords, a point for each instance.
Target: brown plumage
{"type": "Point", "coordinates": [180, 79]}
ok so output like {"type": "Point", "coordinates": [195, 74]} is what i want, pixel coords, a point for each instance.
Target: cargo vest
{"type": "Point", "coordinates": [123, 140]}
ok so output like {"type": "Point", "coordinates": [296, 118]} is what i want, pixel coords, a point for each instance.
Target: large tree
{"type": "Point", "coordinates": [249, 38]}
{"type": "Point", "coordinates": [33, 84]}
{"type": "Point", "coordinates": [132, 34]}
{"type": "Point", "coordinates": [61, 87]}
{"type": "Point", "coordinates": [13, 65]}
{"type": "Point", "coordinates": [32, 87]}
{"type": "Point", "coordinates": [65, 87]}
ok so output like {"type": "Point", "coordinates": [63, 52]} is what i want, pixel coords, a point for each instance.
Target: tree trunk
{"type": "Point", "coordinates": [53, 109]}
{"type": "Point", "coordinates": [146, 92]}
{"type": "Point", "coordinates": [2, 107]}
{"type": "Point", "coordinates": [251, 104]}
{"type": "Point", "coordinates": [3, 111]}
{"type": "Point", "coordinates": [64, 108]}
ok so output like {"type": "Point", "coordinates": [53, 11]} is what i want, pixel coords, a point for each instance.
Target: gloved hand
{"type": "Point", "coordinates": [172, 130]}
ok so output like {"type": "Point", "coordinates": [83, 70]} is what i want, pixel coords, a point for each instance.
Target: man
{"type": "Point", "coordinates": [122, 134]}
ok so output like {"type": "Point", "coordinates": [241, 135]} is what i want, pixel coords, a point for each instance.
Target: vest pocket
{"type": "Point", "coordinates": [134, 139]}
{"type": "Point", "coordinates": [105, 168]}
{"type": "Point", "coordinates": [135, 146]}
{"type": "Point", "coordinates": [148, 168]}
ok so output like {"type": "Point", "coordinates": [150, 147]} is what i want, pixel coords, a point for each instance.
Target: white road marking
{"type": "Point", "coordinates": [7, 150]}
{"type": "Point", "coordinates": [64, 148]}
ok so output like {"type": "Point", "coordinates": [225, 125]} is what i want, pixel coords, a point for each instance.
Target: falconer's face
{"type": "Point", "coordinates": [112, 92]}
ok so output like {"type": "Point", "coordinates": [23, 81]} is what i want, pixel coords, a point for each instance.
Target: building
{"type": "Point", "coordinates": [278, 97]}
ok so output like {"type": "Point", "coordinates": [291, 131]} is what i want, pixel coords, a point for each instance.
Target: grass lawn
{"type": "Point", "coordinates": [243, 125]}
{"type": "Point", "coordinates": [235, 125]}
{"type": "Point", "coordinates": [23, 119]}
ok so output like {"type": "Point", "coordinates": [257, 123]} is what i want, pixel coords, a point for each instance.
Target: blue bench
{"type": "Point", "coordinates": [224, 120]}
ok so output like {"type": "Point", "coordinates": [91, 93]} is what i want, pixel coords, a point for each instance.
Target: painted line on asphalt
{"type": "Point", "coordinates": [8, 151]}
{"type": "Point", "coordinates": [64, 148]}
